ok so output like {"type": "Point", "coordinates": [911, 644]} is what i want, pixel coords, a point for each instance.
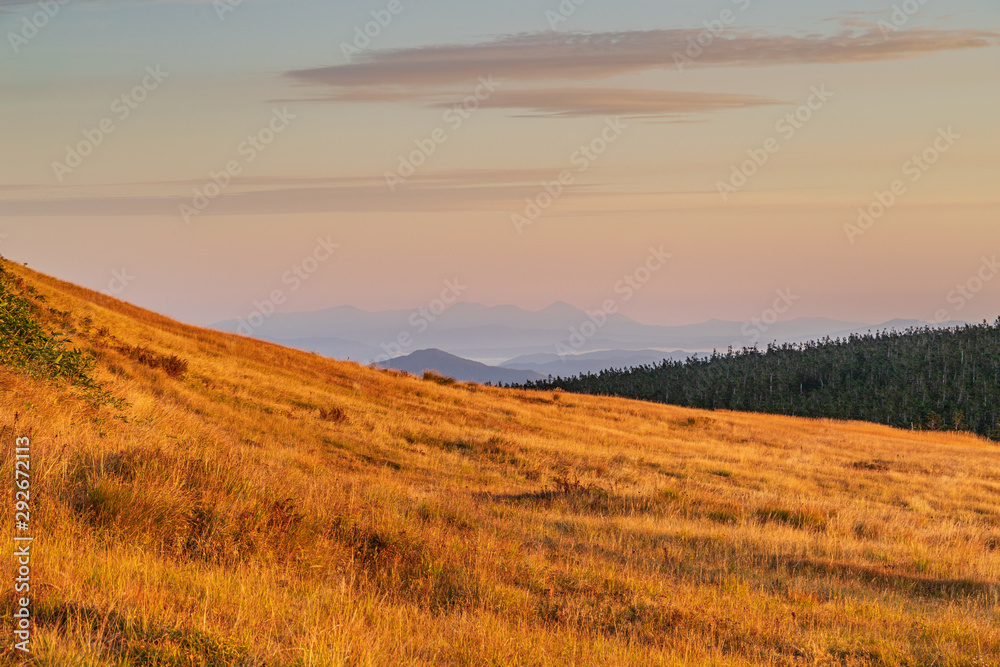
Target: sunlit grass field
{"type": "Point", "coordinates": [272, 507]}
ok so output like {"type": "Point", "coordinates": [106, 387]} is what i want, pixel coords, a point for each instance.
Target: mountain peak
{"type": "Point", "coordinates": [465, 370]}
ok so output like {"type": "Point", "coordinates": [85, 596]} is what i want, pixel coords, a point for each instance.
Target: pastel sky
{"type": "Point", "coordinates": [187, 155]}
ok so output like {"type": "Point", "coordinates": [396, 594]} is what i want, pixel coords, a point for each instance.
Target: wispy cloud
{"type": "Point", "coordinates": [579, 56]}
{"type": "Point", "coordinates": [566, 102]}
{"type": "Point", "coordinates": [575, 102]}
{"type": "Point", "coordinates": [435, 75]}
{"type": "Point", "coordinates": [458, 190]}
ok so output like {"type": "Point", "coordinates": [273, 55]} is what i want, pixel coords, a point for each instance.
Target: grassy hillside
{"type": "Point", "coordinates": [204, 499]}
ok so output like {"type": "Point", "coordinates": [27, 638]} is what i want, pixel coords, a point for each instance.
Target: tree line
{"type": "Point", "coordinates": [920, 378]}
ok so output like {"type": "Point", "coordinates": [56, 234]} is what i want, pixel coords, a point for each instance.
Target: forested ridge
{"type": "Point", "coordinates": [932, 379]}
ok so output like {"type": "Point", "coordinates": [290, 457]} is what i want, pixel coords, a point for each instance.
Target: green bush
{"type": "Point", "coordinates": [27, 346]}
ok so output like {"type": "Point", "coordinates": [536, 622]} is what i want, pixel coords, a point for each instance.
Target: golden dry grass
{"type": "Point", "coordinates": [274, 507]}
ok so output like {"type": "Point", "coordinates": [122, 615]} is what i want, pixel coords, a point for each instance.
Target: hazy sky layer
{"type": "Point", "coordinates": [196, 157]}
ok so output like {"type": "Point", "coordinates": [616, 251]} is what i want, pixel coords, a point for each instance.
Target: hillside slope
{"type": "Point", "coordinates": [231, 502]}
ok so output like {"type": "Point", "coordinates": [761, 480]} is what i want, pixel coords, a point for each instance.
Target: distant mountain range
{"type": "Point", "coordinates": [561, 339]}
{"type": "Point", "coordinates": [570, 365]}
{"type": "Point", "coordinates": [459, 368]}
{"type": "Point", "coordinates": [528, 367]}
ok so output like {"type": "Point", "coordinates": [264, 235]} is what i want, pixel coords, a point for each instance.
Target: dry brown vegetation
{"type": "Point", "coordinates": [272, 507]}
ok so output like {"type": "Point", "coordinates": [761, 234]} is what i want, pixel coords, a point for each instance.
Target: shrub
{"type": "Point", "coordinates": [335, 415]}
{"type": "Point", "coordinates": [27, 346]}
{"type": "Point", "coordinates": [173, 365]}
{"type": "Point", "coordinates": [438, 378]}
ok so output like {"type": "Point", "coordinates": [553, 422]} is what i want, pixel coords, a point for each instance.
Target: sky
{"type": "Point", "coordinates": [202, 158]}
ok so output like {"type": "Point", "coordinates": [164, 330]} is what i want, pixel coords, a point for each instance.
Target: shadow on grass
{"type": "Point", "coordinates": [884, 578]}
{"type": "Point", "coordinates": [141, 643]}
{"type": "Point", "coordinates": [583, 501]}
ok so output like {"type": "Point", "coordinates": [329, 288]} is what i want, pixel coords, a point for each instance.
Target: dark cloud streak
{"type": "Point", "coordinates": [574, 56]}
{"type": "Point", "coordinates": [437, 75]}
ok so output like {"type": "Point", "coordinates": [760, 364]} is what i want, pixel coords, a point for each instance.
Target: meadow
{"type": "Point", "coordinates": [208, 499]}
